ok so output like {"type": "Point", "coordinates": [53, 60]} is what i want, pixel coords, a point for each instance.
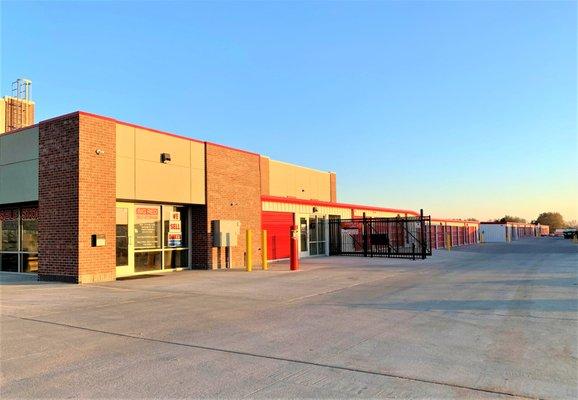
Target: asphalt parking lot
{"type": "Point", "coordinates": [486, 321]}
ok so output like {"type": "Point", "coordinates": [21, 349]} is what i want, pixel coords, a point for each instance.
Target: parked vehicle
{"type": "Point", "coordinates": [571, 233]}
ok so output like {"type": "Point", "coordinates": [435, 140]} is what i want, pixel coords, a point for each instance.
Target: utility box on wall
{"type": "Point", "coordinates": [225, 232]}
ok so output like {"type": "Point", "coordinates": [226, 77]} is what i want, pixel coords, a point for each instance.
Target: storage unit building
{"type": "Point", "coordinates": [452, 232]}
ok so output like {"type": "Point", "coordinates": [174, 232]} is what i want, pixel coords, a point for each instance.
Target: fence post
{"type": "Point", "coordinates": [423, 235]}
{"type": "Point", "coordinates": [364, 236]}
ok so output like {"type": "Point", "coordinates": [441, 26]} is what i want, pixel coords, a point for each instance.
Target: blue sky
{"type": "Point", "coordinates": [465, 109]}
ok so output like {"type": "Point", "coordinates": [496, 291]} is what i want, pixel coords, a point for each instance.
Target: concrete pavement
{"type": "Point", "coordinates": [494, 320]}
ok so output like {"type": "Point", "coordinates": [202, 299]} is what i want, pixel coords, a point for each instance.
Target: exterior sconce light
{"type": "Point", "coordinates": [165, 158]}
{"type": "Point", "coordinates": [315, 209]}
{"type": "Point", "coordinates": [99, 152]}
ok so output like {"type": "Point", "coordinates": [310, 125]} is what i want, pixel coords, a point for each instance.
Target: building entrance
{"type": "Point", "coordinates": [151, 237]}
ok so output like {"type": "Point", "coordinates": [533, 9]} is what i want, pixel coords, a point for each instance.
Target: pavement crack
{"type": "Point", "coordinates": [278, 358]}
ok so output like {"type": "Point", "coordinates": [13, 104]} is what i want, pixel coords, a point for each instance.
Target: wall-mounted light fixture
{"type": "Point", "coordinates": [99, 152]}
{"type": "Point", "coordinates": [315, 209]}
{"type": "Point", "coordinates": [165, 158]}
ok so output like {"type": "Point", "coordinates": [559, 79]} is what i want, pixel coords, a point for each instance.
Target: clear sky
{"type": "Point", "coordinates": [465, 109]}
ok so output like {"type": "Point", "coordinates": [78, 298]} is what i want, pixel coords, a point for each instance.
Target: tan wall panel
{"type": "Point", "coordinates": [149, 146]}
{"type": "Point", "coordinates": [19, 182]}
{"type": "Point", "coordinates": [124, 141]}
{"type": "Point", "coordinates": [162, 182]}
{"type": "Point", "coordinates": [125, 176]}
{"type": "Point", "coordinates": [287, 180]}
{"type": "Point", "coordinates": [142, 176]}
{"type": "Point", "coordinates": [21, 146]}
{"type": "Point", "coordinates": [197, 173]}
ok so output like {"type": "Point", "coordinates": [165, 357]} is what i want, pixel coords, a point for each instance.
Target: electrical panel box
{"type": "Point", "coordinates": [225, 232]}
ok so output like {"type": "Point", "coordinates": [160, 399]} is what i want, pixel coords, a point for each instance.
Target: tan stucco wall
{"type": "Point", "coordinates": [288, 180]}
{"type": "Point", "coordinates": [141, 175]}
{"type": "Point", "coordinates": [19, 166]}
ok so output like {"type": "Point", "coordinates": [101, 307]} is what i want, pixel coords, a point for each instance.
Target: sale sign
{"type": "Point", "coordinates": [175, 235]}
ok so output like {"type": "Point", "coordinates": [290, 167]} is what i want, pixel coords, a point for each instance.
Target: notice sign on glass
{"type": "Point", "coordinates": [147, 227]}
{"type": "Point", "coordinates": [175, 235]}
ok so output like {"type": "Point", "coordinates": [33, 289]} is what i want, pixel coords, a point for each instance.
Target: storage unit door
{"type": "Point", "coordinates": [461, 230]}
{"type": "Point", "coordinates": [440, 234]}
{"type": "Point", "coordinates": [277, 225]}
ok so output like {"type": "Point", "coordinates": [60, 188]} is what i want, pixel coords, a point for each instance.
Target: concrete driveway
{"type": "Point", "coordinates": [494, 320]}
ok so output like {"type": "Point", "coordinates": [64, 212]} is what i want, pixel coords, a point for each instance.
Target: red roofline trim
{"type": "Point", "coordinates": [276, 199]}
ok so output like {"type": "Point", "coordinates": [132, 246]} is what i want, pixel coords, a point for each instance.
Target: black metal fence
{"type": "Point", "coordinates": [398, 237]}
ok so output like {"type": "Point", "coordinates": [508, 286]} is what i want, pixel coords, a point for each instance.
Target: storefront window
{"type": "Point", "coordinates": [147, 234]}
{"type": "Point", "coordinates": [9, 225]}
{"type": "Point", "coordinates": [176, 259]}
{"type": "Point", "coordinates": [175, 226]}
{"type": "Point", "coordinates": [19, 235]}
{"type": "Point", "coordinates": [147, 227]}
{"type": "Point", "coordinates": [9, 262]}
{"type": "Point", "coordinates": [147, 261]}
{"type": "Point", "coordinates": [29, 262]}
{"type": "Point", "coordinates": [121, 236]}
{"type": "Point", "coordinates": [30, 229]}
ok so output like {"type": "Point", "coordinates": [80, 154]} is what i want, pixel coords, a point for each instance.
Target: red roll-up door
{"type": "Point", "coordinates": [277, 225]}
{"type": "Point", "coordinates": [461, 234]}
{"type": "Point", "coordinates": [440, 237]}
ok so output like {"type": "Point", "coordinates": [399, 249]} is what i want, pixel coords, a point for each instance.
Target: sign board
{"type": "Point", "coordinates": [147, 227]}
{"type": "Point", "coordinates": [175, 235]}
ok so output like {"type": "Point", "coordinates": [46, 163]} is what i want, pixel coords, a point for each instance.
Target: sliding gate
{"type": "Point", "coordinates": [399, 237]}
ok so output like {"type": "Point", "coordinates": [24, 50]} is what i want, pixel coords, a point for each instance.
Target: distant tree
{"type": "Point", "coordinates": [553, 219]}
{"type": "Point", "coordinates": [510, 218]}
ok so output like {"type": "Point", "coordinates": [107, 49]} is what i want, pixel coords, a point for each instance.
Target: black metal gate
{"type": "Point", "coordinates": [398, 237]}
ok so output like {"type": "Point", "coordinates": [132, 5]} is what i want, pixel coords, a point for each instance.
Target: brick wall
{"type": "Point", "coordinates": [234, 192]}
{"type": "Point", "coordinates": [264, 168]}
{"type": "Point", "coordinates": [76, 196]}
{"type": "Point", "coordinates": [97, 199]}
{"type": "Point", "coordinates": [58, 199]}
{"type": "Point", "coordinates": [201, 248]}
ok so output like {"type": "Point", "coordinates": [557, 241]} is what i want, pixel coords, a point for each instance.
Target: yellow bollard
{"type": "Point", "coordinates": [249, 245]}
{"type": "Point", "coordinates": [264, 263]}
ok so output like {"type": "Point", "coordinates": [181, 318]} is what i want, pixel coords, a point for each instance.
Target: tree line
{"type": "Point", "coordinates": [553, 219]}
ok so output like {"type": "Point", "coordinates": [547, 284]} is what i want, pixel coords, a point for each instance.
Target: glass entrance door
{"type": "Point", "coordinates": [317, 239]}
{"type": "Point", "coordinates": [124, 239]}
{"type": "Point", "coordinates": [303, 236]}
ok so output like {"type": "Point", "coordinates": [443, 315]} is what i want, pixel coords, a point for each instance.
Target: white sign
{"type": "Point", "coordinates": [175, 236]}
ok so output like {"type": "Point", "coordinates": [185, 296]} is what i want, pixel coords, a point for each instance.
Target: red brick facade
{"type": "Point", "coordinates": [97, 199]}
{"type": "Point", "coordinates": [234, 192]}
{"type": "Point", "coordinates": [264, 167]}
{"type": "Point", "coordinates": [76, 197]}
{"type": "Point", "coordinates": [58, 199]}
